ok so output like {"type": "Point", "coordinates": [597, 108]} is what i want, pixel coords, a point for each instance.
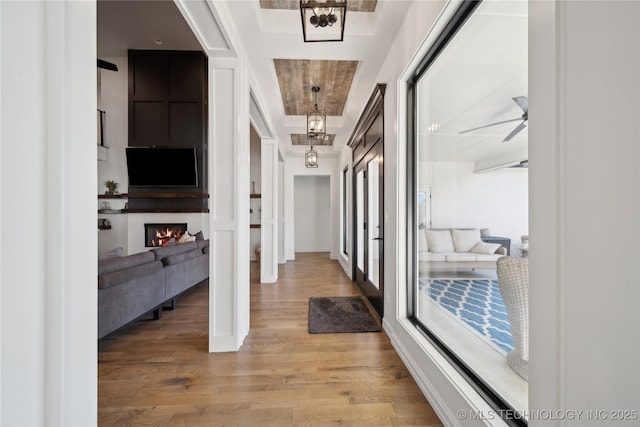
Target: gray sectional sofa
{"type": "Point", "coordinates": [133, 285]}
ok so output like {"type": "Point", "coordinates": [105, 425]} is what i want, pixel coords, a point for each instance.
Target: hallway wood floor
{"type": "Point", "coordinates": [159, 372]}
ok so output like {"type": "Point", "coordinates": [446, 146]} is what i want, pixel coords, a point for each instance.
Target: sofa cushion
{"type": "Point", "coordinates": [115, 264]}
{"type": "Point", "coordinates": [423, 246]}
{"type": "Point", "coordinates": [464, 240]}
{"type": "Point", "coordinates": [181, 257]}
{"type": "Point", "coordinates": [460, 257]}
{"type": "Point", "coordinates": [439, 241]}
{"type": "Point", "coordinates": [488, 257]}
{"type": "Point", "coordinates": [199, 235]}
{"type": "Point", "coordinates": [115, 278]}
{"type": "Point", "coordinates": [485, 248]}
{"type": "Point", "coordinates": [430, 256]}
{"type": "Point", "coordinates": [172, 250]}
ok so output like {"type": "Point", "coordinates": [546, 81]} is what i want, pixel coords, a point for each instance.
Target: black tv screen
{"type": "Point", "coordinates": [162, 167]}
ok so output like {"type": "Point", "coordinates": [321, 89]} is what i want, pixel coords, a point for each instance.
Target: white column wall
{"type": "Point", "coordinates": [345, 161]}
{"type": "Point", "coordinates": [281, 253]}
{"type": "Point", "coordinates": [48, 251]}
{"type": "Point", "coordinates": [269, 222]}
{"type": "Point", "coordinates": [584, 169]}
{"type": "Point", "coordinates": [229, 204]}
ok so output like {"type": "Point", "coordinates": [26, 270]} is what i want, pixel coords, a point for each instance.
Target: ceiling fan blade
{"type": "Point", "coordinates": [523, 103]}
{"type": "Point", "coordinates": [514, 132]}
{"type": "Point", "coordinates": [492, 124]}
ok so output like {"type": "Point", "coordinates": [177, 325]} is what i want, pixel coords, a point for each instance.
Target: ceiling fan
{"type": "Point", "coordinates": [523, 103]}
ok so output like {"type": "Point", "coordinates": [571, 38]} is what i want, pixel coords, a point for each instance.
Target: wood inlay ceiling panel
{"type": "Point", "coordinates": [297, 76]}
{"type": "Point", "coordinates": [352, 5]}
{"type": "Point", "coordinates": [301, 139]}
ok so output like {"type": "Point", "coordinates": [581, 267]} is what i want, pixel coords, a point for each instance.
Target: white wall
{"type": "Point", "coordinates": [294, 166]}
{"type": "Point", "coordinates": [497, 200]}
{"type": "Point", "coordinates": [585, 190]}
{"type": "Point", "coordinates": [113, 98]}
{"type": "Point", "coordinates": [312, 213]}
{"type": "Point", "coordinates": [48, 250]}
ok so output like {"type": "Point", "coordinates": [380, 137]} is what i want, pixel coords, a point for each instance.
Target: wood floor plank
{"type": "Point", "coordinates": [160, 372]}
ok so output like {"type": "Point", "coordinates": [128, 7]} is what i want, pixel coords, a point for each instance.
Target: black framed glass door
{"type": "Point", "coordinates": [369, 230]}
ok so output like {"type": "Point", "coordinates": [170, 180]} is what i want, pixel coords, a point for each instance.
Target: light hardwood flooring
{"type": "Point", "coordinates": [159, 372]}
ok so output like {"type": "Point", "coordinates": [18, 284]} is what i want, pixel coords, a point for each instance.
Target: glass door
{"type": "Point", "coordinates": [369, 248]}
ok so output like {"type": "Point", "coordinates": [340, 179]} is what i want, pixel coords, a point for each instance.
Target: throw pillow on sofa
{"type": "Point", "coordinates": [485, 248]}
{"type": "Point", "coordinates": [465, 240]}
{"type": "Point", "coordinates": [186, 237]}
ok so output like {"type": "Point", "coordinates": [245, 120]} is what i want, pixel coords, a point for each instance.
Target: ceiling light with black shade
{"type": "Point", "coordinates": [323, 20]}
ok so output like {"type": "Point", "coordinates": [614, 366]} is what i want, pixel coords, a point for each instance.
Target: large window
{"type": "Point", "coordinates": [469, 194]}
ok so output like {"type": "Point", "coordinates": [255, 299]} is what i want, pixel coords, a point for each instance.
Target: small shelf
{"type": "Point", "coordinates": [104, 227]}
{"type": "Point", "coordinates": [155, 196]}
{"type": "Point", "coordinates": [167, 210]}
{"type": "Point", "coordinates": [112, 196]}
{"type": "Point", "coordinates": [254, 226]}
{"type": "Point", "coordinates": [109, 211]}
{"type": "Point", "coordinates": [255, 195]}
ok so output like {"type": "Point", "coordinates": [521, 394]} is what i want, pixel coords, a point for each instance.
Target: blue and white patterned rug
{"type": "Point", "coordinates": [477, 303]}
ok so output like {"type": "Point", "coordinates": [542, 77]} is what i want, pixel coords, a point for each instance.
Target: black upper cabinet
{"type": "Point", "coordinates": [167, 92]}
{"type": "Point", "coordinates": [168, 108]}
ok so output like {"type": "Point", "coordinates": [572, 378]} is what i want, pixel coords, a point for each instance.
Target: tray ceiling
{"type": "Point", "coordinates": [297, 76]}
{"type": "Point", "coordinates": [301, 139]}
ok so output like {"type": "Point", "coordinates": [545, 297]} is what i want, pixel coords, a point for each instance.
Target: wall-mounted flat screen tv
{"type": "Point", "coordinates": [162, 167]}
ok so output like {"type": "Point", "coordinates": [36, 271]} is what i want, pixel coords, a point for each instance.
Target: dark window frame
{"type": "Point", "coordinates": [345, 206]}
{"type": "Point", "coordinates": [508, 414]}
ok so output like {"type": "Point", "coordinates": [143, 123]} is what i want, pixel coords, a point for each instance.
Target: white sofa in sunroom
{"type": "Point", "coordinates": [456, 248]}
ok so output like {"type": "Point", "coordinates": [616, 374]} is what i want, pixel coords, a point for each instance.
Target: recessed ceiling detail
{"type": "Point", "coordinates": [297, 76]}
{"type": "Point", "coordinates": [301, 139]}
{"type": "Point", "coordinates": [352, 5]}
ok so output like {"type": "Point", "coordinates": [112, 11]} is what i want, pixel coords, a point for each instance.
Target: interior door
{"type": "Point", "coordinates": [369, 230]}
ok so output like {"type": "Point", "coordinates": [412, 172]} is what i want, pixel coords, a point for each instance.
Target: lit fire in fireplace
{"type": "Point", "coordinates": [163, 236]}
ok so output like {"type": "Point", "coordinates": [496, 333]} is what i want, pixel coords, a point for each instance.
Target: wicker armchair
{"type": "Point", "coordinates": [513, 279]}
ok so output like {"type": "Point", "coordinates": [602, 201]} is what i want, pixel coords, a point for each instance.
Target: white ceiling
{"type": "Point", "coordinates": [483, 69]}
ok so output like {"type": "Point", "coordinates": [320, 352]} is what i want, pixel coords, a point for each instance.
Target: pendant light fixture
{"type": "Point", "coordinates": [316, 130]}
{"type": "Point", "coordinates": [316, 120]}
{"type": "Point", "coordinates": [323, 20]}
{"type": "Point", "coordinates": [311, 158]}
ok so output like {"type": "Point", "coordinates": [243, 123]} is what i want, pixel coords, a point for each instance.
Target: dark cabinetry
{"type": "Point", "coordinates": [168, 108]}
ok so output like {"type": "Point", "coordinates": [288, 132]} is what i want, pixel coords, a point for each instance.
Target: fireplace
{"type": "Point", "coordinates": [156, 235]}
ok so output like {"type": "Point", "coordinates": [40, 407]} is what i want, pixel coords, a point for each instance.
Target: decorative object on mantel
{"type": "Point", "coordinates": [253, 187]}
{"type": "Point", "coordinates": [322, 20]}
{"type": "Point", "coordinates": [112, 186]}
